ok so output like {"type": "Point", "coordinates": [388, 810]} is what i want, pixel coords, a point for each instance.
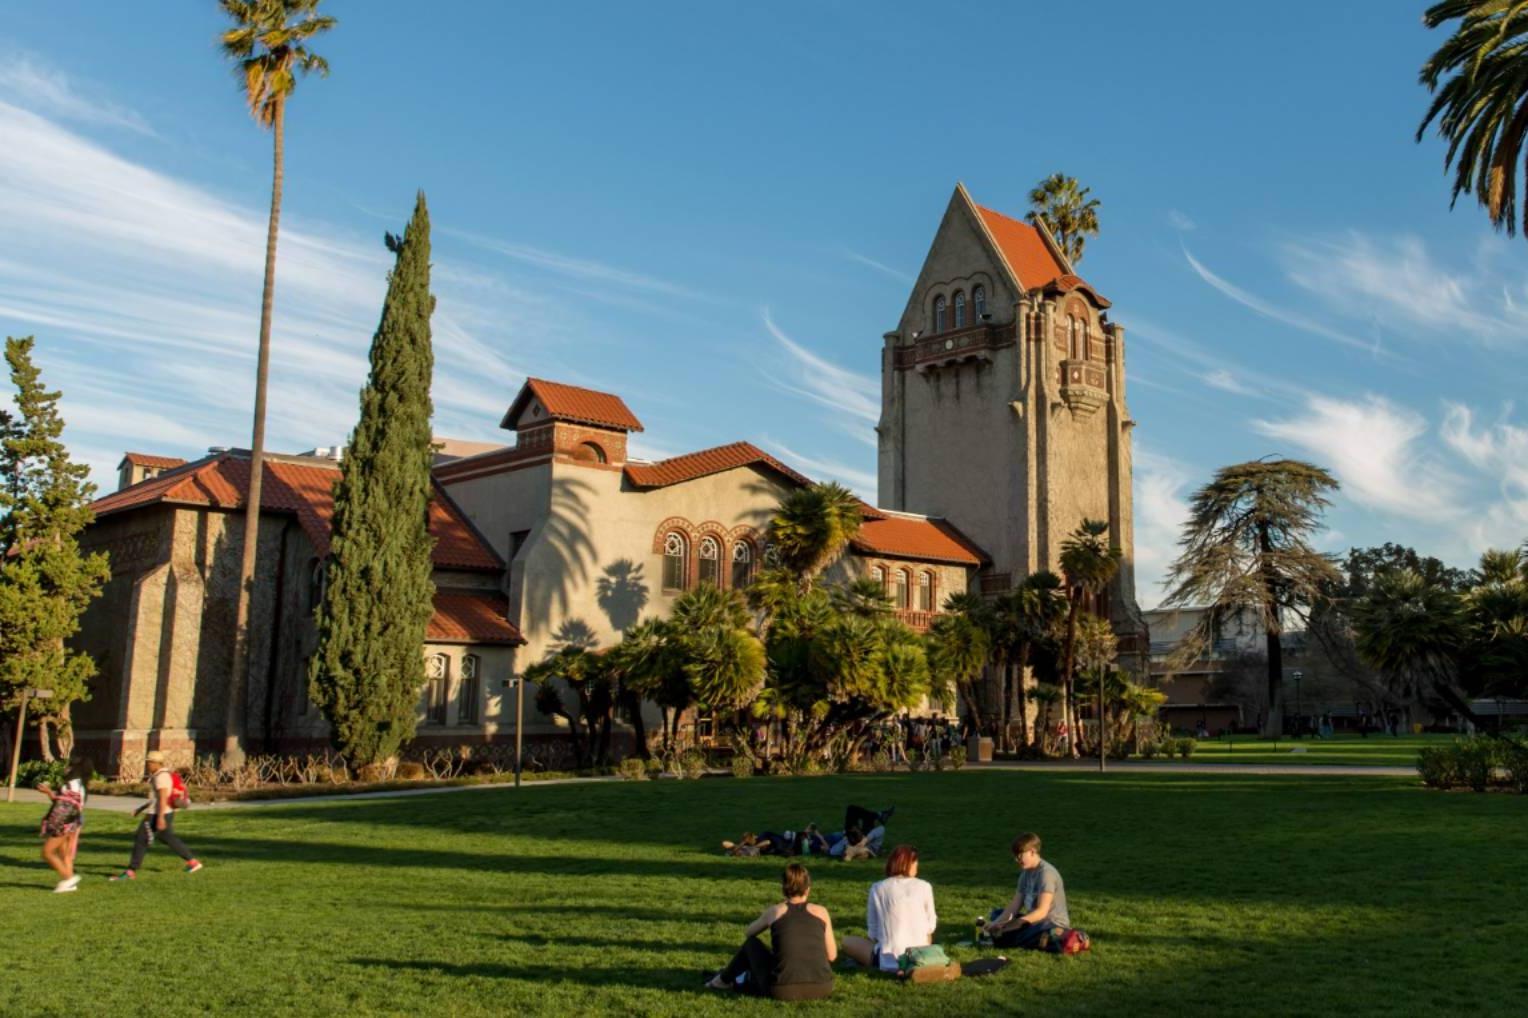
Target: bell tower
{"type": "Point", "coordinates": [1003, 401]}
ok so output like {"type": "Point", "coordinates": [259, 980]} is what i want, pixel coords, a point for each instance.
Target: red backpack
{"type": "Point", "coordinates": [179, 797]}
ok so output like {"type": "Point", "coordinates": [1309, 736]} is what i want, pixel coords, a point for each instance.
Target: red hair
{"type": "Point", "coordinates": [901, 861]}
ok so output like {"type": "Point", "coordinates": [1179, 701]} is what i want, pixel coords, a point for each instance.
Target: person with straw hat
{"type": "Point", "coordinates": [160, 823]}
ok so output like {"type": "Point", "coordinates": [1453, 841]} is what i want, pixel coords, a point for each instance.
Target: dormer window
{"type": "Point", "coordinates": [940, 309]}
{"type": "Point", "coordinates": [979, 302]}
{"type": "Point", "coordinates": [960, 309]}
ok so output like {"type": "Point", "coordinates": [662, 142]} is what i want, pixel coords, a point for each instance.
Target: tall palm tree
{"type": "Point", "coordinates": [812, 527]}
{"type": "Point", "coordinates": [1089, 562]}
{"type": "Point", "coordinates": [1482, 107]}
{"type": "Point", "coordinates": [1246, 551]}
{"type": "Point", "coordinates": [958, 648]}
{"type": "Point", "coordinates": [1409, 630]}
{"type": "Point", "coordinates": [1067, 210]}
{"type": "Point", "coordinates": [269, 45]}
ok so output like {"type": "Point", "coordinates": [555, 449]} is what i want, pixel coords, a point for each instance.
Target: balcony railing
{"type": "Point", "coordinates": [914, 619]}
{"type": "Point", "coordinates": [972, 343]}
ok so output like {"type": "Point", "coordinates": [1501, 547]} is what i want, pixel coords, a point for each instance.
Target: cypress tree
{"type": "Point", "coordinates": [45, 581]}
{"type": "Point", "coordinates": [369, 666]}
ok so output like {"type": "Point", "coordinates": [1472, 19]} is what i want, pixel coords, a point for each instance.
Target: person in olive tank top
{"type": "Point", "coordinates": [798, 964]}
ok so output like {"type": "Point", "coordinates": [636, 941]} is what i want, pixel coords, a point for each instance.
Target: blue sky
{"type": "Point", "coordinates": [716, 211]}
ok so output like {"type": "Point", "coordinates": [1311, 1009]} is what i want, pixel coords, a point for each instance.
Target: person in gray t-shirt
{"type": "Point", "coordinates": [1037, 916]}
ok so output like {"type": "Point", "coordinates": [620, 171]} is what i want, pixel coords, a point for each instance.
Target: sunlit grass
{"type": "Point", "coordinates": [1206, 894]}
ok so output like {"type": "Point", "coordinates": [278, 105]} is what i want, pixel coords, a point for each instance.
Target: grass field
{"type": "Point", "coordinates": [1205, 894]}
{"type": "Point", "coordinates": [1375, 751]}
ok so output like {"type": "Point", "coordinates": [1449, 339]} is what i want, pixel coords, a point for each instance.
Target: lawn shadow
{"type": "Point", "coordinates": [672, 981]}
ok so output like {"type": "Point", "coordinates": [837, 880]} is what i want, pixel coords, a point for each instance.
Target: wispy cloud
{"type": "Point", "coordinates": [1180, 222]}
{"type": "Point", "coordinates": [1397, 281]}
{"type": "Point", "coordinates": [1279, 314]}
{"type": "Point", "coordinates": [861, 481]}
{"type": "Point", "coordinates": [1161, 508]}
{"type": "Point", "coordinates": [881, 267]}
{"type": "Point", "coordinates": [1375, 449]}
{"type": "Point", "coordinates": [576, 268]}
{"type": "Point", "coordinates": [824, 382]}
{"type": "Point", "coordinates": [1500, 451]}
{"type": "Point", "coordinates": [143, 290]}
{"type": "Point", "coordinates": [26, 80]}
{"type": "Point", "coordinates": [1224, 380]}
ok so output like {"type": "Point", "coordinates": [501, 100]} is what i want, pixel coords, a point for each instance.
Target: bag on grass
{"type": "Point", "coordinates": [922, 957]}
{"type": "Point", "coordinates": [1075, 942]}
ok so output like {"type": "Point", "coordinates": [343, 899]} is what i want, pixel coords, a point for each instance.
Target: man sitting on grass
{"type": "Point", "coordinates": [1036, 918]}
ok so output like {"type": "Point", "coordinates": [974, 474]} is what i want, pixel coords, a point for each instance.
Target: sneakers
{"type": "Point", "coordinates": [124, 875]}
{"type": "Point", "coordinates": [65, 886]}
{"type": "Point", "coordinates": [193, 866]}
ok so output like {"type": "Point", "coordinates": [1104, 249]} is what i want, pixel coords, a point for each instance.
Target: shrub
{"type": "Point", "coordinates": [880, 762]}
{"type": "Point", "coordinates": [35, 772]}
{"type": "Point", "coordinates": [1435, 765]}
{"type": "Point", "coordinates": [1514, 762]}
{"type": "Point", "coordinates": [1476, 758]}
{"type": "Point", "coordinates": [742, 766]}
{"type": "Point", "coordinates": [914, 760]}
{"type": "Point", "coordinates": [1185, 748]}
{"type": "Point", "coordinates": [692, 763]}
{"type": "Point", "coordinates": [958, 757]}
{"type": "Point", "coordinates": [1149, 750]}
{"type": "Point", "coordinates": [632, 769]}
{"type": "Point", "coordinates": [653, 766]}
{"type": "Point", "coordinates": [410, 770]}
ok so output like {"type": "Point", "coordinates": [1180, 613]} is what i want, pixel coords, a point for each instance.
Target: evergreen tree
{"type": "Point", "coordinates": [369, 667]}
{"type": "Point", "coordinates": [45, 581]}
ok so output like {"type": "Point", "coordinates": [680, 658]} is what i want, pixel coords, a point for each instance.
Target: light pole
{"type": "Point", "coordinates": [1299, 719]}
{"type": "Point", "coordinates": [21, 722]}
{"type": "Point", "coordinates": [519, 722]}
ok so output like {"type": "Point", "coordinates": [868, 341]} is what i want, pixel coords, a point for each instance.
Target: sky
{"type": "Point", "coordinates": [716, 211]}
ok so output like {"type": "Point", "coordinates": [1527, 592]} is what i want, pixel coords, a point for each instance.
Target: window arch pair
{"type": "Point", "coordinates": [437, 689]}
{"type": "Point", "coordinates": [954, 309]}
{"type": "Point", "coordinates": [1081, 336]}
{"type": "Point", "coordinates": [905, 590]}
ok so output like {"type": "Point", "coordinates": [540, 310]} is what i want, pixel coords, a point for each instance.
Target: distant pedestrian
{"type": "Point", "coordinates": [61, 827]}
{"type": "Point", "coordinates": [163, 800]}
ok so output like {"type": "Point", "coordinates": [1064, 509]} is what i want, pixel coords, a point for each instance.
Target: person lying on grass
{"type": "Point", "coordinates": [898, 914]}
{"type": "Point", "coordinates": [861, 838]}
{"type": "Point", "coordinates": [798, 963]}
{"type": "Point", "coordinates": [1037, 918]}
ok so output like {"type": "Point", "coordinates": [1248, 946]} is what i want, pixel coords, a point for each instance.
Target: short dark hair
{"type": "Point", "coordinates": [1024, 842]}
{"type": "Point", "coordinates": [795, 881]}
{"type": "Point", "coordinates": [901, 861]}
{"type": "Point", "coordinates": [80, 767]}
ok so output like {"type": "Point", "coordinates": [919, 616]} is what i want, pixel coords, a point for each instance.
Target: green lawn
{"type": "Point", "coordinates": [1375, 751]}
{"type": "Point", "coordinates": [1205, 894]}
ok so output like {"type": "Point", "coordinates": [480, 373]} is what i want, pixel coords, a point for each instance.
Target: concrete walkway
{"type": "Point", "coordinates": [127, 804]}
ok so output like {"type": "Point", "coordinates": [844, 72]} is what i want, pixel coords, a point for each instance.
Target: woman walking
{"type": "Point", "coordinates": [61, 827]}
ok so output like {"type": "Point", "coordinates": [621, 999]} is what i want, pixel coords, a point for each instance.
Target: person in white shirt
{"type": "Point", "coordinates": [899, 914]}
{"type": "Point", "coordinates": [159, 825]}
{"type": "Point", "coordinates": [61, 827]}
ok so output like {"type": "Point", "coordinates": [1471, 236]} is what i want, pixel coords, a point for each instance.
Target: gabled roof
{"type": "Point", "coordinates": [571, 403]}
{"type": "Point", "coordinates": [471, 616]}
{"type": "Point", "coordinates": [916, 537]}
{"type": "Point", "coordinates": [303, 488]}
{"type": "Point", "coordinates": [143, 459]}
{"type": "Point", "coordinates": [708, 461]}
{"type": "Point", "coordinates": [1032, 256]}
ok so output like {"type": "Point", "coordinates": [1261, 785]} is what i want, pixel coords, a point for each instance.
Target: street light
{"type": "Point", "coordinates": [21, 721]}
{"type": "Point", "coordinates": [1298, 711]}
{"type": "Point", "coordinates": [519, 685]}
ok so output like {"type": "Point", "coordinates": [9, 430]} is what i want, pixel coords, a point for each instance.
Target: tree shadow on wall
{"type": "Point", "coordinates": [565, 535]}
{"type": "Point", "coordinates": [622, 593]}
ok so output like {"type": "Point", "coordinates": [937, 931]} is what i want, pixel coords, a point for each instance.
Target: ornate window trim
{"type": "Point", "coordinates": [940, 313]}
{"type": "Point", "coordinates": [959, 306]}
{"type": "Point", "coordinates": [978, 301]}
{"type": "Point", "coordinates": [678, 545]}
{"type": "Point", "coordinates": [469, 691]}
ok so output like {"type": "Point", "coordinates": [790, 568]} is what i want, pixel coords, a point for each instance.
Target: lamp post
{"type": "Point", "coordinates": [21, 721]}
{"type": "Point", "coordinates": [519, 684]}
{"type": "Point", "coordinates": [1299, 712]}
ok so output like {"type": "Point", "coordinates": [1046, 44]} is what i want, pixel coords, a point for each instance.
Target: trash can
{"type": "Point", "coordinates": [979, 749]}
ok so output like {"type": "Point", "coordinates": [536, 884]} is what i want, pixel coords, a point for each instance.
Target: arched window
{"type": "Point", "coordinates": [925, 592]}
{"type": "Point", "coordinates": [742, 565]}
{"type": "Point", "coordinates": [471, 691]}
{"type": "Point", "coordinates": [590, 452]}
{"type": "Point", "coordinates": [676, 562]}
{"type": "Point", "coordinates": [1076, 339]}
{"type": "Point", "coordinates": [1087, 340]}
{"type": "Point", "coordinates": [978, 301]}
{"type": "Point", "coordinates": [437, 688]}
{"type": "Point", "coordinates": [879, 576]}
{"type": "Point", "coordinates": [711, 561]}
{"type": "Point", "coordinates": [899, 591]}
{"type": "Point", "coordinates": [960, 309]}
{"type": "Point", "coordinates": [939, 313]}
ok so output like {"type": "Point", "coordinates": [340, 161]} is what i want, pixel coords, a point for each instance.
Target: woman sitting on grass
{"type": "Point", "coordinates": [800, 965]}
{"type": "Point", "coordinates": [899, 914]}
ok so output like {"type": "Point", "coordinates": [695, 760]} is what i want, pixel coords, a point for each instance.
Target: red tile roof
{"type": "Point", "coordinates": [471, 617]}
{"type": "Point", "coordinates": [708, 461]}
{"type": "Point", "coordinates": [931, 540]}
{"type": "Point", "coordinates": [306, 490]}
{"type": "Point", "coordinates": [143, 459]}
{"type": "Point", "coordinates": [1030, 257]}
{"type": "Point", "coordinates": [571, 403]}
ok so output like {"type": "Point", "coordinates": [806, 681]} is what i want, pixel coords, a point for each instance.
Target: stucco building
{"type": "Point", "coordinates": [1003, 426]}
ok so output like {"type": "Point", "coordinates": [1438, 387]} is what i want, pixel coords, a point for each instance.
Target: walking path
{"type": "Point", "coordinates": [127, 804]}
